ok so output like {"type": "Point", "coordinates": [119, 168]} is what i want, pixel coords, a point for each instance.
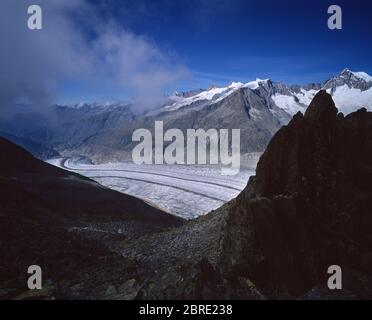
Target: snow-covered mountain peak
{"type": "Point", "coordinates": [79, 105]}
{"type": "Point", "coordinates": [235, 85]}
{"type": "Point", "coordinates": [256, 84]}
{"type": "Point", "coordinates": [363, 75]}
{"type": "Point", "coordinates": [354, 80]}
{"type": "Point", "coordinates": [211, 95]}
{"type": "Point", "coordinates": [360, 75]}
{"type": "Point", "coordinates": [350, 90]}
{"type": "Point", "coordinates": [94, 106]}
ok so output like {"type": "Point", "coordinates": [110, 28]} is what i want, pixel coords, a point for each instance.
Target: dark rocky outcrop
{"type": "Point", "coordinates": [308, 207]}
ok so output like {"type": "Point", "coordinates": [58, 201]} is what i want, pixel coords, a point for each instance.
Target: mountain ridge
{"type": "Point", "coordinates": [104, 133]}
{"type": "Point", "coordinates": [258, 109]}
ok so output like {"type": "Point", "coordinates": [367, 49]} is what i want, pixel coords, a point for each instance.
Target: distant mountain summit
{"type": "Point", "coordinates": [350, 90]}
{"type": "Point", "coordinates": [290, 98]}
{"type": "Point", "coordinates": [356, 80]}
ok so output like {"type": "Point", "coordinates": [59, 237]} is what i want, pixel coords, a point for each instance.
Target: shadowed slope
{"type": "Point", "coordinates": [40, 207]}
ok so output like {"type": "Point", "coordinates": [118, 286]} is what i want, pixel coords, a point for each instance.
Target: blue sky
{"type": "Point", "coordinates": [117, 49]}
{"type": "Point", "coordinates": [222, 41]}
{"type": "Point", "coordinates": [285, 40]}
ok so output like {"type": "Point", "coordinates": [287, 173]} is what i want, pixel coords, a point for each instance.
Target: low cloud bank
{"type": "Point", "coordinates": [75, 44]}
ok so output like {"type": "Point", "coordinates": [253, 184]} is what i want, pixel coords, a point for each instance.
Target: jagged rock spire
{"type": "Point", "coordinates": [321, 108]}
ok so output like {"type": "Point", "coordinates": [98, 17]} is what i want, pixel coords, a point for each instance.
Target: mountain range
{"type": "Point", "coordinates": [258, 108]}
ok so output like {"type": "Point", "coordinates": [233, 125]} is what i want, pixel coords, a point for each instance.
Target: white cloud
{"type": "Point", "coordinates": [76, 44]}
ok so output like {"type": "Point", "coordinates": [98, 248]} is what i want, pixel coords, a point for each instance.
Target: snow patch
{"type": "Point", "coordinates": [255, 84]}
{"type": "Point", "coordinates": [305, 97]}
{"type": "Point", "coordinates": [348, 100]}
{"type": "Point", "coordinates": [288, 104]}
{"type": "Point", "coordinates": [362, 75]}
{"type": "Point", "coordinates": [212, 95]}
{"type": "Point", "coordinates": [203, 96]}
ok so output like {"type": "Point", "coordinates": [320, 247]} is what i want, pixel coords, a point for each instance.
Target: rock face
{"type": "Point", "coordinates": [308, 207]}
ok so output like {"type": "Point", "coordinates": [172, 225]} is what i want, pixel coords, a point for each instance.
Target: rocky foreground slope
{"type": "Point", "coordinates": [64, 223]}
